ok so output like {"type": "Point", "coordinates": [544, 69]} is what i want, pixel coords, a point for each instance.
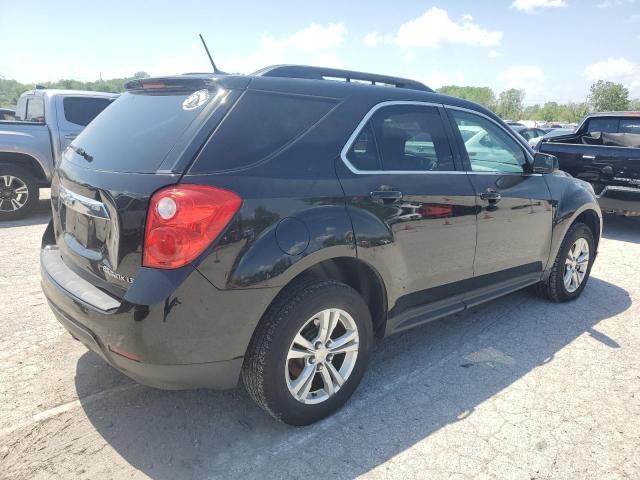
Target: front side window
{"type": "Point", "coordinates": [406, 138]}
{"type": "Point", "coordinates": [35, 110]}
{"type": "Point", "coordinates": [81, 110]}
{"type": "Point", "coordinates": [489, 147]}
{"type": "Point", "coordinates": [604, 125]}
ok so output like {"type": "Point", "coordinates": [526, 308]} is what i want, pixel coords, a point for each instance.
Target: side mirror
{"type": "Point", "coordinates": [543, 163]}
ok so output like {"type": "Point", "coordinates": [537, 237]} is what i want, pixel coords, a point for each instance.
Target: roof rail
{"type": "Point", "coordinates": [320, 73]}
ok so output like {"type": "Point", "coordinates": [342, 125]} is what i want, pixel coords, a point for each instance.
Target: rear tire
{"type": "Point", "coordinates": [19, 192]}
{"type": "Point", "coordinates": [290, 346]}
{"type": "Point", "coordinates": [570, 271]}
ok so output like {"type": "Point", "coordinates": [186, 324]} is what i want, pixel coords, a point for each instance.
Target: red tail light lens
{"type": "Point", "coordinates": [183, 220]}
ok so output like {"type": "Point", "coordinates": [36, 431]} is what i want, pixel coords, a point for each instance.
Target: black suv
{"type": "Point", "coordinates": [269, 227]}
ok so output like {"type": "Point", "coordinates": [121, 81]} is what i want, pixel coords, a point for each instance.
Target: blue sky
{"type": "Point", "coordinates": [553, 48]}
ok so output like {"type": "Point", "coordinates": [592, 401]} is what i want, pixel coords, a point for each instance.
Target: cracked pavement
{"type": "Point", "coordinates": [516, 388]}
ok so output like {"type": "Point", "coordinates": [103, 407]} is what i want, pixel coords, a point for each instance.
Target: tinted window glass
{"type": "Point", "coordinates": [363, 154]}
{"type": "Point", "coordinates": [630, 125]}
{"type": "Point", "coordinates": [21, 109]}
{"type": "Point", "coordinates": [411, 138]}
{"type": "Point", "coordinates": [35, 109]}
{"type": "Point", "coordinates": [257, 127]}
{"type": "Point", "coordinates": [136, 132]}
{"type": "Point", "coordinates": [81, 110]}
{"type": "Point", "coordinates": [607, 125]}
{"type": "Point", "coordinates": [528, 133]}
{"type": "Point", "coordinates": [489, 147]}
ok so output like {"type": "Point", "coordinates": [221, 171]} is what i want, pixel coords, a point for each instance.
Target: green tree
{"type": "Point", "coordinates": [141, 74]}
{"type": "Point", "coordinates": [482, 95]}
{"type": "Point", "coordinates": [510, 104]}
{"type": "Point", "coordinates": [574, 112]}
{"type": "Point", "coordinates": [608, 96]}
{"type": "Point", "coordinates": [634, 105]}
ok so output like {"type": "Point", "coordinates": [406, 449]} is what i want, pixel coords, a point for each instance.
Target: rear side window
{"type": "Point", "coordinates": [407, 138]}
{"type": "Point", "coordinates": [258, 126]}
{"type": "Point", "coordinates": [630, 125]}
{"type": "Point", "coordinates": [35, 110]}
{"type": "Point", "coordinates": [81, 110]}
{"type": "Point", "coordinates": [21, 109]}
{"type": "Point", "coordinates": [137, 131]}
{"type": "Point", "coordinates": [363, 153]}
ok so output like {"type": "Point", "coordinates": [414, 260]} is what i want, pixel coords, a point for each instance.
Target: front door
{"type": "Point", "coordinates": [514, 205]}
{"type": "Point", "coordinates": [413, 210]}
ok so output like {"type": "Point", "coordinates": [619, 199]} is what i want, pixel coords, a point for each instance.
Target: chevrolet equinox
{"type": "Point", "coordinates": [269, 227]}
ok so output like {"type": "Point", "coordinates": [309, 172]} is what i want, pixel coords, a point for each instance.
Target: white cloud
{"type": "Point", "coordinates": [328, 59]}
{"type": "Point", "coordinates": [527, 77]}
{"type": "Point", "coordinates": [371, 39]}
{"type": "Point", "coordinates": [494, 54]}
{"type": "Point", "coordinates": [530, 6]}
{"type": "Point", "coordinates": [318, 37]}
{"type": "Point", "coordinates": [438, 78]}
{"type": "Point", "coordinates": [614, 3]}
{"type": "Point", "coordinates": [616, 70]}
{"type": "Point", "coordinates": [434, 28]}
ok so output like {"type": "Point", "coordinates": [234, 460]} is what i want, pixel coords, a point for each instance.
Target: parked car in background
{"type": "Point", "coordinates": [528, 133]}
{"type": "Point", "coordinates": [46, 121]}
{"type": "Point", "coordinates": [7, 114]}
{"type": "Point", "coordinates": [549, 133]}
{"type": "Point", "coordinates": [512, 123]}
{"type": "Point", "coordinates": [208, 228]}
{"type": "Point", "coordinates": [605, 151]}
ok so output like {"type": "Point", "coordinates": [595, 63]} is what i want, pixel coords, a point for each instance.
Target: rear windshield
{"type": "Point", "coordinates": [137, 131]}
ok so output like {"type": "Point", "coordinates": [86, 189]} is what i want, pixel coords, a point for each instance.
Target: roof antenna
{"type": "Point", "coordinates": [215, 69]}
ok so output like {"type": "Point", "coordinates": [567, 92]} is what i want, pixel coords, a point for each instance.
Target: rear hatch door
{"type": "Point", "coordinates": [100, 192]}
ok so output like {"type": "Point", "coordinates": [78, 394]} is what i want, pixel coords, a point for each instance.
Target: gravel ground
{"type": "Point", "coordinates": [518, 388]}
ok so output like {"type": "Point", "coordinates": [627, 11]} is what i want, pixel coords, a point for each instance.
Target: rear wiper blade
{"type": "Point", "coordinates": [81, 151]}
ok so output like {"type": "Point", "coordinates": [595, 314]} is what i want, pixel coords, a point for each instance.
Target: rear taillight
{"type": "Point", "coordinates": [183, 220]}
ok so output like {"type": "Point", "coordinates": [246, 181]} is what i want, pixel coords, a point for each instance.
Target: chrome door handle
{"type": "Point", "coordinates": [589, 157]}
{"type": "Point", "coordinates": [388, 196]}
{"type": "Point", "coordinates": [491, 196]}
{"type": "Point", "coordinates": [70, 136]}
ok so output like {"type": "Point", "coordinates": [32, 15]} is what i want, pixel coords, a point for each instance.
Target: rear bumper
{"type": "Point", "coordinates": [216, 375]}
{"type": "Point", "coordinates": [194, 338]}
{"type": "Point", "coordinates": [624, 200]}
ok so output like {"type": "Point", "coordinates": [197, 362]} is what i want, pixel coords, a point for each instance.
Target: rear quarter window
{"type": "Point", "coordinates": [260, 125]}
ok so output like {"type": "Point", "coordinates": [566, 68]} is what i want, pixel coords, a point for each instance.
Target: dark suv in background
{"type": "Point", "coordinates": [269, 227]}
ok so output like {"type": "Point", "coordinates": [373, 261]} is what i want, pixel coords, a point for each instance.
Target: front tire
{"type": "Point", "coordinates": [19, 192]}
{"type": "Point", "coordinates": [572, 266]}
{"type": "Point", "coordinates": [309, 352]}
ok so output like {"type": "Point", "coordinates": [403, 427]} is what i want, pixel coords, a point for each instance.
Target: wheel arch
{"type": "Point", "coordinates": [354, 272]}
{"type": "Point", "coordinates": [26, 161]}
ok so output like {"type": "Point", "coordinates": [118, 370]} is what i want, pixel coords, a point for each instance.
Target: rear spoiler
{"type": "Point", "coordinates": [188, 82]}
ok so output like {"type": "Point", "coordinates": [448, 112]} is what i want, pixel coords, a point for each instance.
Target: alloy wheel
{"type": "Point", "coordinates": [14, 193]}
{"type": "Point", "coordinates": [576, 265]}
{"type": "Point", "coordinates": [322, 356]}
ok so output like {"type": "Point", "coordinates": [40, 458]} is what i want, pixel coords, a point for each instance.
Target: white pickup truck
{"type": "Point", "coordinates": [46, 121]}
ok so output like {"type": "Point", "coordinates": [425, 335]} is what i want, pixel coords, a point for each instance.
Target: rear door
{"type": "Point", "coordinates": [515, 212]}
{"type": "Point", "coordinates": [75, 113]}
{"type": "Point", "coordinates": [413, 209]}
{"type": "Point", "coordinates": [618, 162]}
